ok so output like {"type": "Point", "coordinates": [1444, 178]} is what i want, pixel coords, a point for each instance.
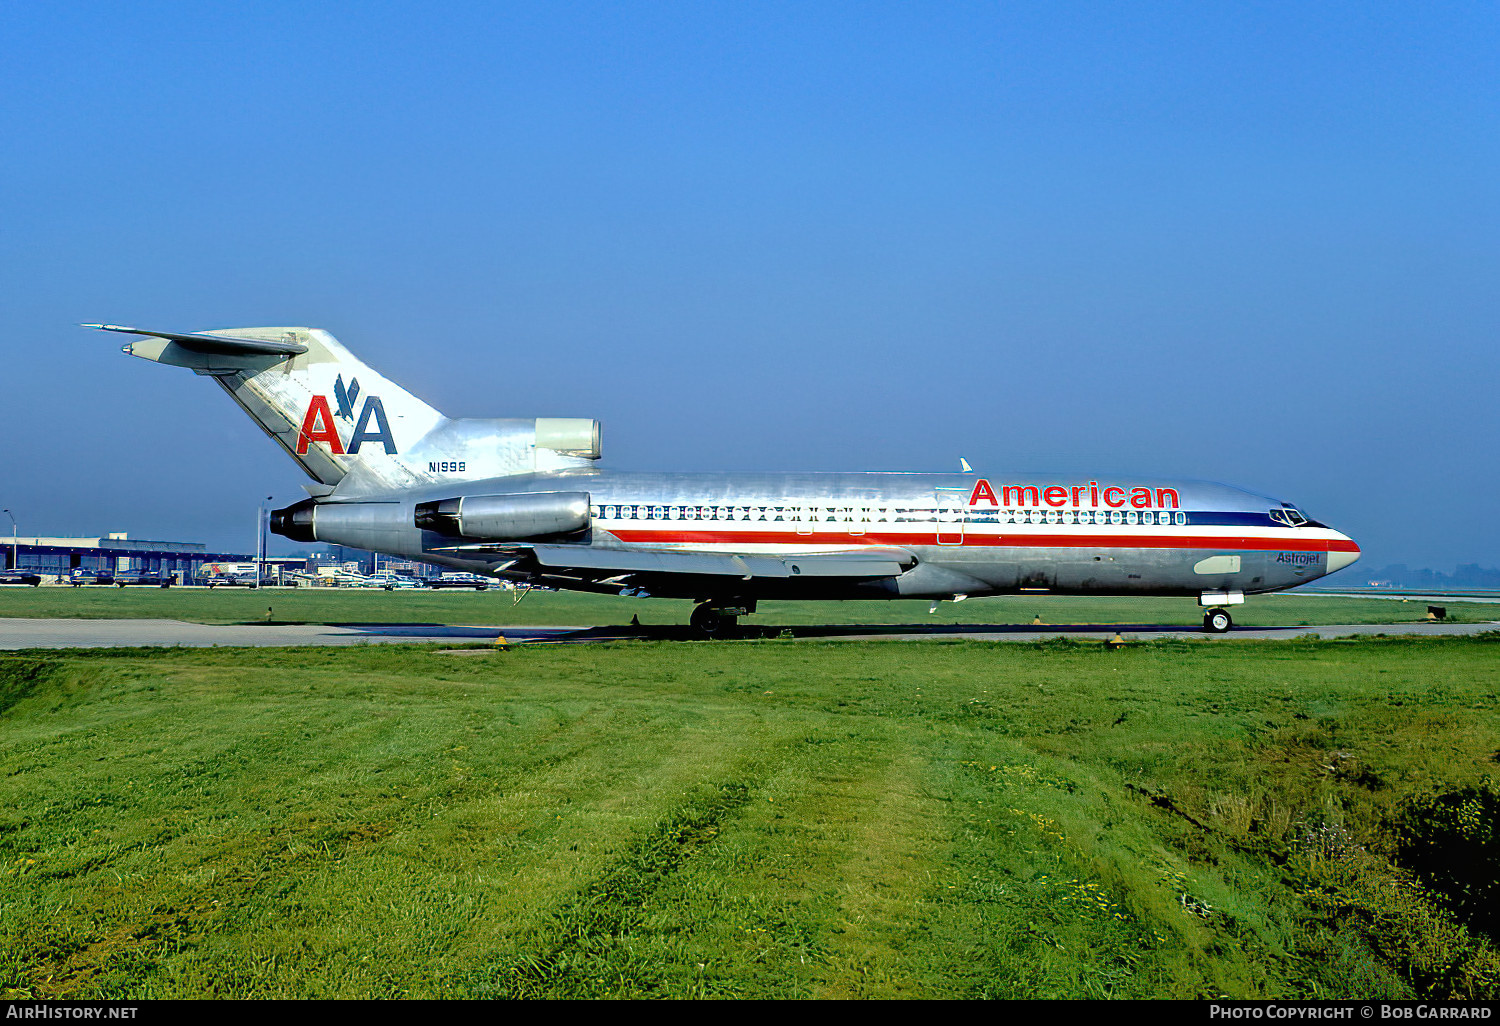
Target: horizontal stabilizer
{"type": "Point", "coordinates": [204, 343]}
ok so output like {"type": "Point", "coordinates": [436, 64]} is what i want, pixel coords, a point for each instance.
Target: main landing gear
{"type": "Point", "coordinates": [716, 621]}
{"type": "Point", "coordinates": [1217, 621]}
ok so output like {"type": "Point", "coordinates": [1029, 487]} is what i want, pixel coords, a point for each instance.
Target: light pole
{"type": "Point", "coordinates": [15, 559]}
{"type": "Point", "coordinates": [260, 542]}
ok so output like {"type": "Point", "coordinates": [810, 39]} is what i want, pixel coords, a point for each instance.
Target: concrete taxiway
{"type": "Point", "coordinates": [19, 633]}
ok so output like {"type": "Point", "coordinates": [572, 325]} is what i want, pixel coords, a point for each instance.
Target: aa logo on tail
{"type": "Point", "coordinates": [346, 397]}
{"type": "Point", "coordinates": [319, 425]}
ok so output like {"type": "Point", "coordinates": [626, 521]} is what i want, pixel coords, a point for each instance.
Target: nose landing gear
{"type": "Point", "coordinates": [1217, 621]}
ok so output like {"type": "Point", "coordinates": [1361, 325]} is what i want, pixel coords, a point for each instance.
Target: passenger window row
{"type": "Point", "coordinates": [830, 514]}
{"type": "Point", "coordinates": [1111, 517]}
{"type": "Point", "coordinates": [887, 514]}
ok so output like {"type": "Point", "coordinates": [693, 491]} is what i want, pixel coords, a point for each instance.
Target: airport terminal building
{"type": "Point", "coordinates": [181, 562]}
{"type": "Point", "coordinates": [115, 553]}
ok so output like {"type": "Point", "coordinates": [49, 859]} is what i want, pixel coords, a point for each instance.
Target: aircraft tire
{"type": "Point", "coordinates": [1217, 621]}
{"type": "Point", "coordinates": [710, 623]}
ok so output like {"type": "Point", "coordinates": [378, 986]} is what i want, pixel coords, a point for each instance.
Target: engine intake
{"type": "Point", "coordinates": [570, 436]}
{"type": "Point", "coordinates": [506, 517]}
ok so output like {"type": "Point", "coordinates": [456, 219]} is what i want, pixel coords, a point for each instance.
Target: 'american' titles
{"type": "Point", "coordinates": [1082, 496]}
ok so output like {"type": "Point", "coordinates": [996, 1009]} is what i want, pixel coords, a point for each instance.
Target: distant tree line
{"type": "Point", "coordinates": [1467, 575]}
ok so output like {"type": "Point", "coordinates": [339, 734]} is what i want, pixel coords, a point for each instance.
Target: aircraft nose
{"type": "Point", "coordinates": [1342, 551]}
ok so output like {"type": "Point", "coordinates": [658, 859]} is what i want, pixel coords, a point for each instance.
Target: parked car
{"type": "Point", "coordinates": [20, 577]}
{"type": "Point", "coordinates": [460, 581]}
{"type": "Point", "coordinates": [343, 579]}
{"type": "Point", "coordinates": [226, 581]}
{"type": "Point", "coordinates": [144, 578]}
{"type": "Point", "coordinates": [390, 581]}
{"type": "Point", "coordinates": [80, 577]}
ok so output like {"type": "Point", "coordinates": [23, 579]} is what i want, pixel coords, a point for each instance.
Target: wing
{"type": "Point", "coordinates": [616, 567]}
{"type": "Point", "coordinates": [852, 563]}
{"type": "Point", "coordinates": [214, 343]}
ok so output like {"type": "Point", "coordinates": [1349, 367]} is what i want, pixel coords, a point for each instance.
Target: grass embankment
{"type": "Point", "coordinates": [751, 819]}
{"type": "Point", "coordinates": [319, 605]}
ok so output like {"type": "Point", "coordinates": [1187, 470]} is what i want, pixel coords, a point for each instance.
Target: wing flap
{"type": "Point", "coordinates": [846, 564]}
{"type": "Point", "coordinates": [849, 564]}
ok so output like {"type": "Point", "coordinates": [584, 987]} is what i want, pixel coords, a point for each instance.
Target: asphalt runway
{"type": "Point", "coordinates": [18, 633]}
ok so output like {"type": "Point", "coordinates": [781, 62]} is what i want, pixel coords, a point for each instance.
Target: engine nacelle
{"type": "Point", "coordinates": [295, 521]}
{"type": "Point", "coordinates": [380, 526]}
{"type": "Point", "coordinates": [570, 436]}
{"type": "Point", "coordinates": [353, 524]}
{"type": "Point", "coordinates": [506, 517]}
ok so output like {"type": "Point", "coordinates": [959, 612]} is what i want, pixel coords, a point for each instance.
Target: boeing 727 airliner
{"type": "Point", "coordinates": [524, 500]}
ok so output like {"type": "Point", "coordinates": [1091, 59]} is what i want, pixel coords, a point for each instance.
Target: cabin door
{"type": "Point", "coordinates": [952, 506]}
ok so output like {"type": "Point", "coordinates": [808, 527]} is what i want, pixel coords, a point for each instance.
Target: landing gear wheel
{"type": "Point", "coordinates": [711, 623]}
{"type": "Point", "coordinates": [1217, 621]}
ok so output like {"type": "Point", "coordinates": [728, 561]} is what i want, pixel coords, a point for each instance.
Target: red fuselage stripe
{"type": "Point", "coordinates": [1019, 541]}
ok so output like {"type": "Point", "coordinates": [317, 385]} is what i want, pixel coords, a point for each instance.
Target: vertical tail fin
{"type": "Point", "coordinates": [331, 412]}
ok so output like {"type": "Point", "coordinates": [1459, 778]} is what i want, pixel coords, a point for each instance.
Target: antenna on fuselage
{"type": "Point", "coordinates": [963, 466]}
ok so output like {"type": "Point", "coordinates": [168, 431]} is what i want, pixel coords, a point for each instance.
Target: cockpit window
{"type": "Point", "coordinates": [1288, 515]}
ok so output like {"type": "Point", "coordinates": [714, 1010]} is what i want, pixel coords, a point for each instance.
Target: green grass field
{"type": "Point", "coordinates": [320, 605]}
{"type": "Point", "coordinates": [753, 819]}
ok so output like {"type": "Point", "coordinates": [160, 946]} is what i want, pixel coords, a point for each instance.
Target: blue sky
{"type": "Point", "coordinates": [1255, 243]}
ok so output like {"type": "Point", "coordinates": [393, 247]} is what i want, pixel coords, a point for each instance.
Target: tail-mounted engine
{"type": "Point", "coordinates": [295, 521]}
{"type": "Point", "coordinates": [389, 526]}
{"type": "Point", "coordinates": [569, 436]}
{"type": "Point", "coordinates": [506, 517]}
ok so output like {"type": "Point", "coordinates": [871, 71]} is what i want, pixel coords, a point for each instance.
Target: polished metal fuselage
{"type": "Point", "coordinates": [378, 452]}
{"type": "Point", "coordinates": [1036, 534]}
